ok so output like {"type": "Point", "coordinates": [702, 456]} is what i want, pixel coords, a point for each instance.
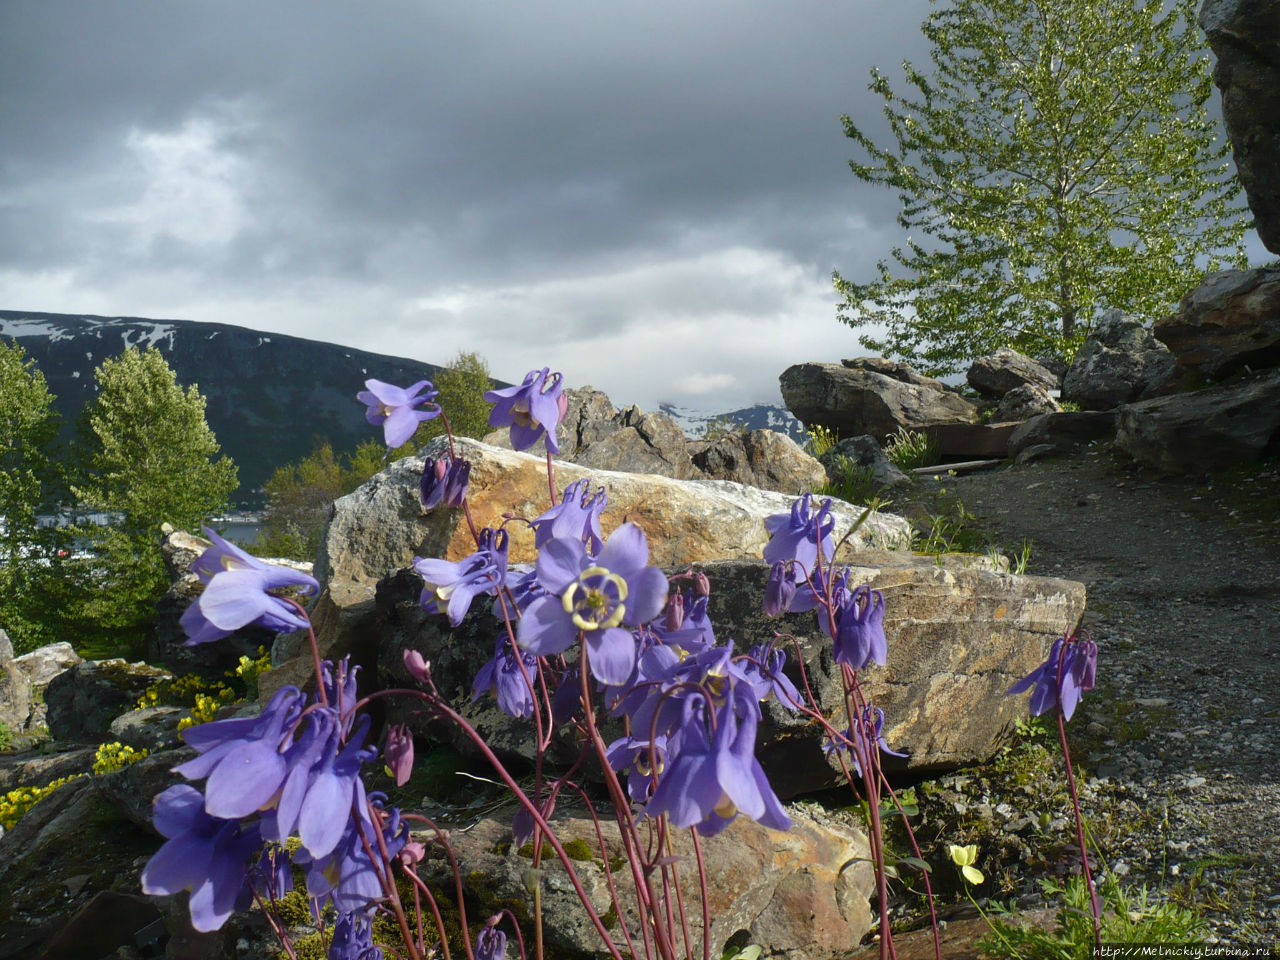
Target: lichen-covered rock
{"type": "Point", "coordinates": [1120, 361]}
{"type": "Point", "coordinates": [869, 395]}
{"type": "Point", "coordinates": [84, 699]}
{"type": "Point", "coordinates": [1245, 37]}
{"type": "Point", "coordinates": [380, 528]}
{"type": "Point", "coordinates": [800, 894]}
{"type": "Point", "coordinates": [23, 681]}
{"type": "Point", "coordinates": [1204, 430]}
{"type": "Point", "coordinates": [997, 373]}
{"type": "Point", "coordinates": [1230, 321]}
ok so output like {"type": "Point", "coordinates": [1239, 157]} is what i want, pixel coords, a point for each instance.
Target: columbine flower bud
{"type": "Point", "coordinates": [675, 612]}
{"type": "Point", "coordinates": [399, 753]}
{"type": "Point", "coordinates": [418, 667]}
{"type": "Point", "coordinates": [780, 590]}
{"type": "Point", "coordinates": [702, 584]}
{"type": "Point", "coordinates": [412, 854]}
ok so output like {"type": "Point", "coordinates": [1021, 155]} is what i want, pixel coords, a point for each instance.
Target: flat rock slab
{"type": "Point", "coordinates": [972, 440]}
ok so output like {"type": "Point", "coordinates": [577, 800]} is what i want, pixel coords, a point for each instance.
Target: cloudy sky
{"type": "Point", "coordinates": [649, 196]}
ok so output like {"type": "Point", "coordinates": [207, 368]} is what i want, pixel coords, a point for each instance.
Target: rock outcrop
{"type": "Point", "coordinates": [870, 396]}
{"type": "Point", "coordinates": [959, 636]}
{"type": "Point", "coordinates": [1245, 37]}
{"type": "Point", "coordinates": [380, 528]}
{"type": "Point", "coordinates": [24, 679]}
{"type": "Point", "coordinates": [1121, 361]}
{"type": "Point", "coordinates": [1204, 430]}
{"type": "Point", "coordinates": [1056, 433]}
{"type": "Point", "coordinates": [84, 699]}
{"type": "Point", "coordinates": [1229, 322]}
{"type": "Point", "coordinates": [996, 374]}
{"type": "Point", "coordinates": [1024, 402]}
{"type": "Point", "coordinates": [800, 895]}
{"type": "Point", "coordinates": [593, 434]}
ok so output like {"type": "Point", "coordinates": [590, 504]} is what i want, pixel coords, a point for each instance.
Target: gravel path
{"type": "Point", "coordinates": [1184, 602]}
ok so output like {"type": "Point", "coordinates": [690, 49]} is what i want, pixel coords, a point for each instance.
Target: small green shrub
{"type": "Point", "coordinates": [909, 449]}
{"type": "Point", "coordinates": [820, 440]}
{"type": "Point", "coordinates": [6, 737]}
{"type": "Point", "coordinates": [853, 484]}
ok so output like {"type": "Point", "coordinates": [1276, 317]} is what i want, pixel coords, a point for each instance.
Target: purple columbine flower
{"type": "Point", "coordinates": [872, 723]}
{"type": "Point", "coordinates": [237, 593]}
{"type": "Point", "coordinates": [641, 762]}
{"type": "Point", "coordinates": [597, 597]}
{"type": "Point", "coordinates": [712, 780]}
{"type": "Point", "coordinates": [503, 677]}
{"type": "Point", "coordinates": [796, 535]}
{"type": "Point", "coordinates": [455, 585]}
{"type": "Point", "coordinates": [1062, 679]}
{"type": "Point", "coordinates": [346, 875]}
{"type": "Point", "coordinates": [444, 482]}
{"type": "Point", "coordinates": [206, 855]}
{"type": "Point", "coordinates": [491, 943]}
{"type": "Point", "coordinates": [763, 668]}
{"type": "Point", "coordinates": [353, 939]}
{"type": "Point", "coordinates": [575, 517]}
{"type": "Point", "coordinates": [531, 410]}
{"type": "Point", "coordinates": [398, 410]}
{"type": "Point", "coordinates": [859, 639]}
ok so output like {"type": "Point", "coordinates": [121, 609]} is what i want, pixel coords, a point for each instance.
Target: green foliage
{"type": "Point", "coordinates": [1129, 915]}
{"type": "Point", "coordinates": [6, 737]}
{"type": "Point", "coordinates": [908, 449]}
{"type": "Point", "coordinates": [1059, 159]}
{"type": "Point", "coordinates": [30, 562]}
{"type": "Point", "coordinates": [462, 385]}
{"type": "Point", "coordinates": [299, 496]}
{"type": "Point", "coordinates": [146, 457]}
{"type": "Point", "coordinates": [722, 427]}
{"type": "Point", "coordinates": [820, 440]}
{"type": "Point", "coordinates": [853, 483]}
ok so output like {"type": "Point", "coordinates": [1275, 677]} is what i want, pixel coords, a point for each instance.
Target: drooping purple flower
{"type": "Point", "coordinates": [713, 779]}
{"type": "Point", "coordinates": [502, 676]}
{"type": "Point", "coordinates": [398, 410]}
{"type": "Point", "coordinates": [641, 761]}
{"type": "Point", "coordinates": [318, 798]}
{"type": "Point", "coordinates": [575, 517]}
{"type": "Point", "coordinates": [237, 593]}
{"type": "Point", "coordinates": [859, 616]}
{"type": "Point", "coordinates": [444, 482]}
{"type": "Point", "coordinates": [353, 939]}
{"type": "Point", "coordinates": [207, 855]}
{"type": "Point", "coordinates": [346, 875]}
{"type": "Point", "coordinates": [243, 761]}
{"type": "Point", "coordinates": [797, 535]}
{"type": "Point", "coordinates": [597, 596]}
{"type": "Point", "coordinates": [418, 666]}
{"type": "Point", "coordinates": [398, 753]}
{"type": "Point", "coordinates": [1062, 679]}
{"type": "Point", "coordinates": [455, 585]}
{"type": "Point", "coordinates": [872, 722]}
{"type": "Point", "coordinates": [763, 667]}
{"type": "Point", "coordinates": [491, 943]}
{"type": "Point", "coordinates": [532, 410]}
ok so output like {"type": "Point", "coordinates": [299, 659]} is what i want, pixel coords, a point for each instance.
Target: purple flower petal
{"type": "Point", "coordinates": [545, 628]}
{"type": "Point", "coordinates": [244, 780]}
{"type": "Point", "coordinates": [626, 552]}
{"type": "Point", "coordinates": [611, 654]}
{"type": "Point", "coordinates": [559, 564]}
{"type": "Point", "coordinates": [647, 592]}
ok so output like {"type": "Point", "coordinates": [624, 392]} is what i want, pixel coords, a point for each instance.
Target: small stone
{"type": "Point", "coordinates": [75, 884]}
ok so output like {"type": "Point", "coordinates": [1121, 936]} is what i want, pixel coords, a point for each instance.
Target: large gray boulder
{"type": "Point", "coordinates": [870, 395]}
{"type": "Point", "coordinates": [1204, 430]}
{"type": "Point", "coordinates": [959, 636]}
{"type": "Point", "coordinates": [1121, 361]}
{"type": "Point", "coordinates": [84, 699]}
{"type": "Point", "coordinates": [1245, 37]}
{"type": "Point", "coordinates": [1024, 402]}
{"type": "Point", "coordinates": [1230, 321]}
{"type": "Point", "coordinates": [997, 373]}
{"type": "Point", "coordinates": [380, 528]}
{"type": "Point", "coordinates": [1056, 433]}
{"type": "Point", "coordinates": [761, 458]}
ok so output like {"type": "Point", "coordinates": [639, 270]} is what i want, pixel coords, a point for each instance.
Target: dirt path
{"type": "Point", "coordinates": [1184, 602]}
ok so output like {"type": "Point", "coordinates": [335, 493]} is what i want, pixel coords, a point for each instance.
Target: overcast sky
{"type": "Point", "coordinates": [649, 196]}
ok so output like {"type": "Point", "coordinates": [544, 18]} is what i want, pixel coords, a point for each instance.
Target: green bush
{"type": "Point", "coordinates": [909, 449]}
